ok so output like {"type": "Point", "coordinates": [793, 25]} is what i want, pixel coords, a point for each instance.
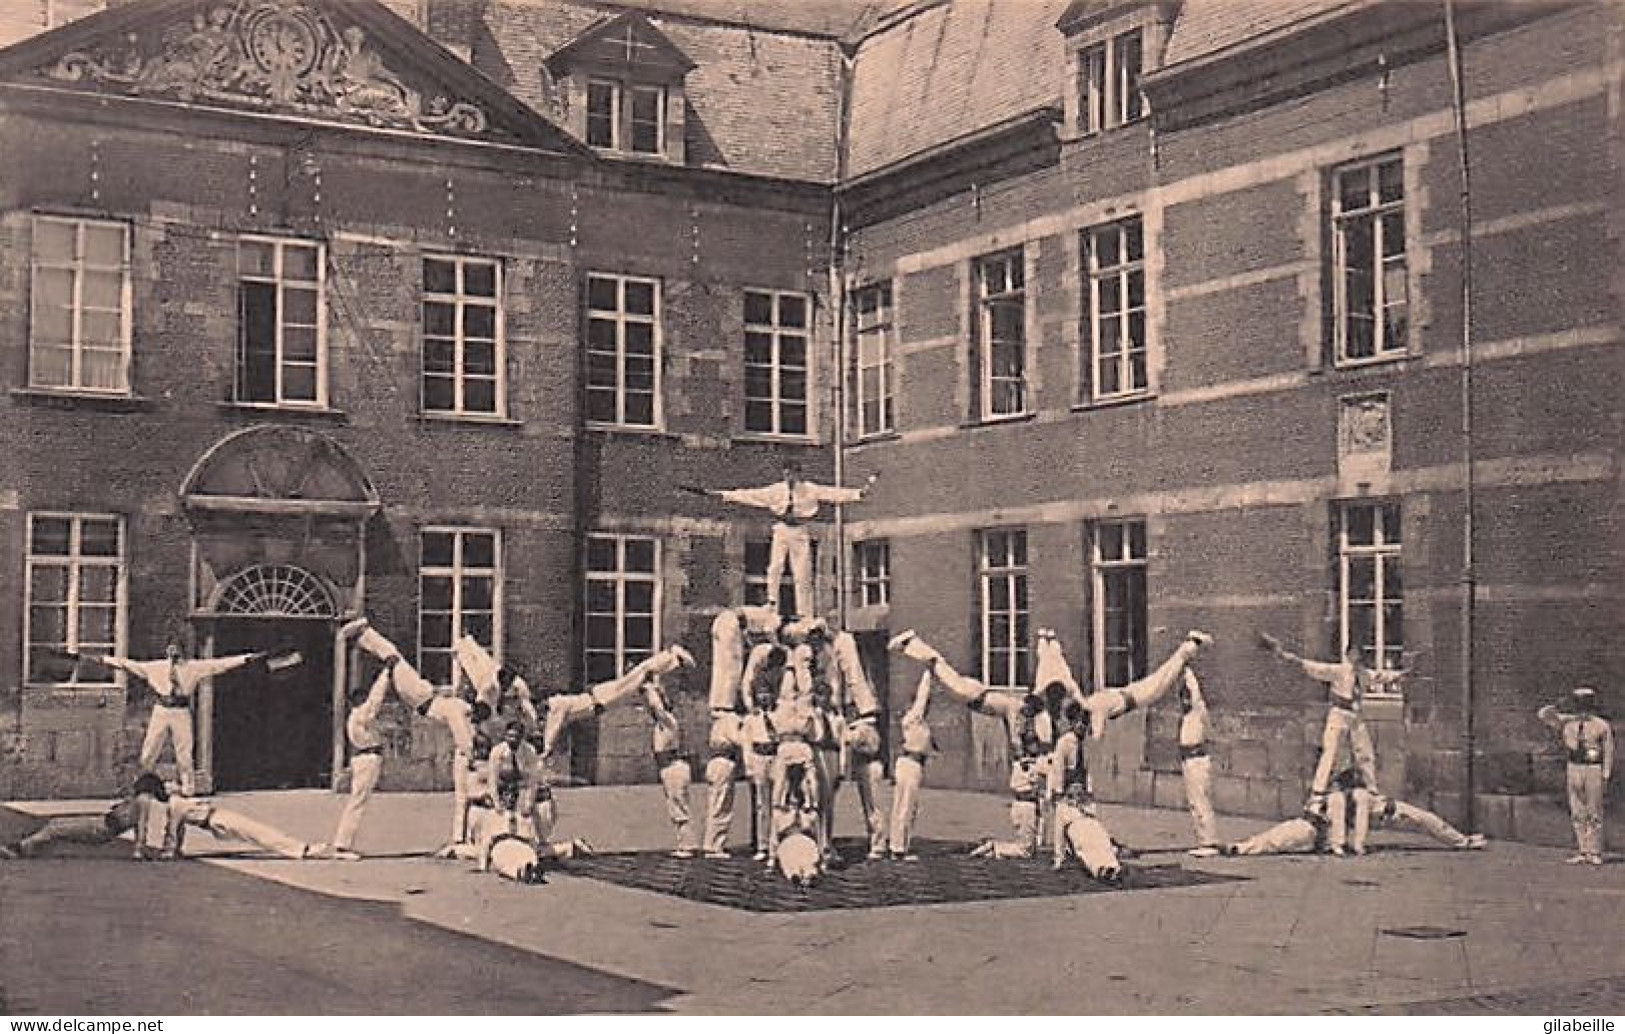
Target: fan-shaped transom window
{"type": "Point", "coordinates": [276, 590]}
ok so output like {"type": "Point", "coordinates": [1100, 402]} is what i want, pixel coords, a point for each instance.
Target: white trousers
{"type": "Point", "coordinates": [674, 781]}
{"type": "Point", "coordinates": [236, 826]}
{"type": "Point", "coordinates": [364, 772]}
{"type": "Point", "coordinates": [1585, 807]}
{"type": "Point", "coordinates": [719, 802]}
{"type": "Point", "coordinates": [1341, 723]}
{"type": "Point", "coordinates": [868, 774]}
{"type": "Point", "coordinates": [170, 723]}
{"type": "Point", "coordinates": [1086, 838]}
{"type": "Point", "coordinates": [908, 777]}
{"type": "Point", "coordinates": [1199, 796]}
{"type": "Point", "coordinates": [791, 543]}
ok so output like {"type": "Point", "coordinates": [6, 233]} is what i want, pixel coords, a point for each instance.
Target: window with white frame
{"type": "Point", "coordinates": [623, 350]}
{"type": "Point", "coordinates": [1115, 323]}
{"type": "Point", "coordinates": [626, 117]}
{"type": "Point", "coordinates": [871, 562]}
{"type": "Point", "coordinates": [1371, 586]}
{"type": "Point", "coordinates": [1001, 334]}
{"type": "Point", "coordinates": [281, 356]}
{"type": "Point", "coordinates": [1003, 608]}
{"type": "Point", "coordinates": [462, 335]}
{"type": "Point", "coordinates": [1371, 292]}
{"type": "Point", "coordinates": [1117, 564]}
{"type": "Point", "coordinates": [622, 605]}
{"type": "Point", "coordinates": [776, 331]}
{"type": "Point", "coordinates": [1109, 83]}
{"type": "Point", "coordinates": [757, 554]}
{"type": "Point", "coordinates": [75, 595]}
{"type": "Point", "coordinates": [459, 593]}
{"type": "Point", "coordinates": [873, 384]}
{"type": "Point", "coordinates": [79, 312]}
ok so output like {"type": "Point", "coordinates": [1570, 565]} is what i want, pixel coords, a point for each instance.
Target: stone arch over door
{"type": "Point", "coordinates": [278, 515]}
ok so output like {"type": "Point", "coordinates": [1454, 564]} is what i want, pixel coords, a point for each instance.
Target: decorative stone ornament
{"type": "Point", "coordinates": [277, 55]}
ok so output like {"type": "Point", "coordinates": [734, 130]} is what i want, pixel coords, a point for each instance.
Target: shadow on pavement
{"type": "Point", "coordinates": [89, 931]}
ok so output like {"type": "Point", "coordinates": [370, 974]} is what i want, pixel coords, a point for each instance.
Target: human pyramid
{"type": "Point", "coordinates": [794, 717]}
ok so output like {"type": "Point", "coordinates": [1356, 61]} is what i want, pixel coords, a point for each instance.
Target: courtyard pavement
{"type": "Point", "coordinates": [1411, 927]}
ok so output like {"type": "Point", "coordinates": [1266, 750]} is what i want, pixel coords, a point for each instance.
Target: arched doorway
{"type": "Point", "coordinates": [278, 517]}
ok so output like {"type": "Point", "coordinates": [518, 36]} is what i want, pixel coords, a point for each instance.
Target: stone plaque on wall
{"type": "Point", "coordinates": [1365, 439]}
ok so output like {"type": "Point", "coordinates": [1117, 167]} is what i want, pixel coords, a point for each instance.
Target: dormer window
{"type": "Point", "coordinates": [1109, 83]}
{"type": "Point", "coordinates": [626, 117]}
{"type": "Point", "coordinates": [625, 80]}
{"type": "Point", "coordinates": [1111, 47]}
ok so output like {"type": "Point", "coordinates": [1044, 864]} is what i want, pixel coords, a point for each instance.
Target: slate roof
{"type": "Point", "coordinates": [949, 70]}
{"type": "Point", "coordinates": [761, 102]}
{"type": "Point", "coordinates": [1206, 27]}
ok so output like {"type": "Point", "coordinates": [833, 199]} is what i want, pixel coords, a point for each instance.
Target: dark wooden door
{"type": "Point", "coordinates": [274, 730]}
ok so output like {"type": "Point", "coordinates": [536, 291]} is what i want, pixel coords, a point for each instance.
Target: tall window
{"type": "Point", "coordinates": [626, 117]}
{"type": "Point", "coordinates": [871, 562]}
{"type": "Point", "coordinates": [776, 328]}
{"type": "Point", "coordinates": [1109, 83]}
{"type": "Point", "coordinates": [757, 554]}
{"type": "Point", "coordinates": [1115, 326]}
{"type": "Point", "coordinates": [1371, 587]}
{"type": "Point", "coordinates": [74, 584]}
{"type": "Point", "coordinates": [873, 380]}
{"type": "Point", "coordinates": [459, 593]}
{"type": "Point", "coordinates": [462, 336]}
{"type": "Point", "coordinates": [1368, 254]}
{"type": "Point", "coordinates": [279, 322]}
{"type": "Point", "coordinates": [1118, 563]}
{"type": "Point", "coordinates": [623, 594]}
{"type": "Point", "coordinates": [1006, 656]}
{"type": "Point", "coordinates": [1001, 328]}
{"type": "Point", "coordinates": [623, 350]}
{"type": "Point", "coordinates": [79, 326]}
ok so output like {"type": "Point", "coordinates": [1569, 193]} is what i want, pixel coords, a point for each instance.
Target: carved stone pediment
{"type": "Point", "coordinates": [284, 56]}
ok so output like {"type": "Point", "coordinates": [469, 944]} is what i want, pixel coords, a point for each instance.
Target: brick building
{"type": "Point", "coordinates": [1153, 320]}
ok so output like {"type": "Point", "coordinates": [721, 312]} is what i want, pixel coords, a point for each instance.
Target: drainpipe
{"type": "Point", "coordinates": [837, 294]}
{"type": "Point", "coordinates": [1469, 576]}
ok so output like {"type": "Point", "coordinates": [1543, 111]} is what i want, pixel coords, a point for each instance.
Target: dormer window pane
{"type": "Point", "coordinates": [645, 119]}
{"type": "Point", "coordinates": [1130, 105]}
{"type": "Point", "coordinates": [603, 113]}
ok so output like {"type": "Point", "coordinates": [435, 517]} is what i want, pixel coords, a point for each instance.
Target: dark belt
{"type": "Point", "coordinates": [1191, 753]}
{"type": "Point", "coordinates": [916, 756]}
{"type": "Point", "coordinates": [543, 793]}
{"type": "Point", "coordinates": [1339, 704]}
{"type": "Point", "coordinates": [178, 705]}
{"type": "Point", "coordinates": [789, 520]}
{"type": "Point", "coordinates": [358, 751]}
{"type": "Point", "coordinates": [666, 757]}
{"type": "Point", "coordinates": [766, 750]}
{"type": "Point", "coordinates": [1027, 796]}
{"type": "Point", "coordinates": [1585, 756]}
{"type": "Point", "coordinates": [423, 708]}
{"type": "Point", "coordinates": [726, 753]}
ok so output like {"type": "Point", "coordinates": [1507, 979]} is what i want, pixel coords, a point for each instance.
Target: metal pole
{"type": "Point", "coordinates": [1469, 577]}
{"type": "Point", "coordinates": [837, 290]}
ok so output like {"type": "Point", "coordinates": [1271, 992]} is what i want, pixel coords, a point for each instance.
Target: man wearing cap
{"type": "Point", "coordinates": [793, 503]}
{"type": "Point", "coordinates": [174, 681]}
{"type": "Point", "coordinates": [366, 765]}
{"type": "Point", "coordinates": [1347, 683]}
{"type": "Point", "coordinates": [1196, 766]}
{"type": "Point", "coordinates": [1589, 741]}
{"type": "Point", "coordinates": [671, 764]}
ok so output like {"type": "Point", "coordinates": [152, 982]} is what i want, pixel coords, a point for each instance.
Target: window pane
{"type": "Point", "coordinates": [54, 241]}
{"type": "Point", "coordinates": [600, 554]}
{"type": "Point", "coordinates": [640, 597]}
{"type": "Point", "coordinates": [480, 626]}
{"type": "Point", "coordinates": [299, 263]}
{"type": "Point", "coordinates": [480, 397]}
{"type": "Point", "coordinates": [299, 344]}
{"type": "Point", "coordinates": [640, 298]}
{"type": "Point", "coordinates": [640, 634]}
{"type": "Point", "coordinates": [601, 596]}
{"type": "Point", "coordinates": [640, 556]}
{"type": "Point", "coordinates": [48, 624]}
{"type": "Point", "coordinates": [439, 319]}
{"type": "Point", "coordinates": [96, 624]}
{"type": "Point", "coordinates": [104, 245]}
{"type": "Point", "coordinates": [439, 356]}
{"type": "Point", "coordinates": [435, 631]}
{"type": "Point", "coordinates": [479, 549]}
{"type": "Point", "coordinates": [1391, 181]}
{"type": "Point", "coordinates": [439, 276]}
{"type": "Point", "coordinates": [601, 631]}
{"type": "Point", "coordinates": [299, 306]}
{"type": "Point", "coordinates": [438, 394]}
{"type": "Point", "coordinates": [102, 290]}
{"type": "Point", "coordinates": [437, 548]}
{"type": "Point", "coordinates": [602, 293]}
{"type": "Point", "coordinates": [480, 358]}
{"type": "Point", "coordinates": [1353, 189]}
{"type": "Point", "coordinates": [640, 339]}
{"type": "Point", "coordinates": [98, 583]}
{"type": "Point", "coordinates": [50, 536]}
{"type": "Point", "coordinates": [1360, 525]}
{"type": "Point", "coordinates": [792, 311]}
{"type": "Point", "coordinates": [480, 279]}
{"type": "Point", "coordinates": [436, 593]}
{"type": "Point", "coordinates": [48, 583]}
{"type": "Point", "coordinates": [758, 307]}
{"type": "Point", "coordinates": [299, 384]}
{"type": "Point", "coordinates": [98, 537]}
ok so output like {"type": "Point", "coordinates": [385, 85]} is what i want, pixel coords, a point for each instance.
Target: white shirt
{"type": "Point", "coordinates": [801, 502]}
{"type": "Point", "coordinates": [176, 681]}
